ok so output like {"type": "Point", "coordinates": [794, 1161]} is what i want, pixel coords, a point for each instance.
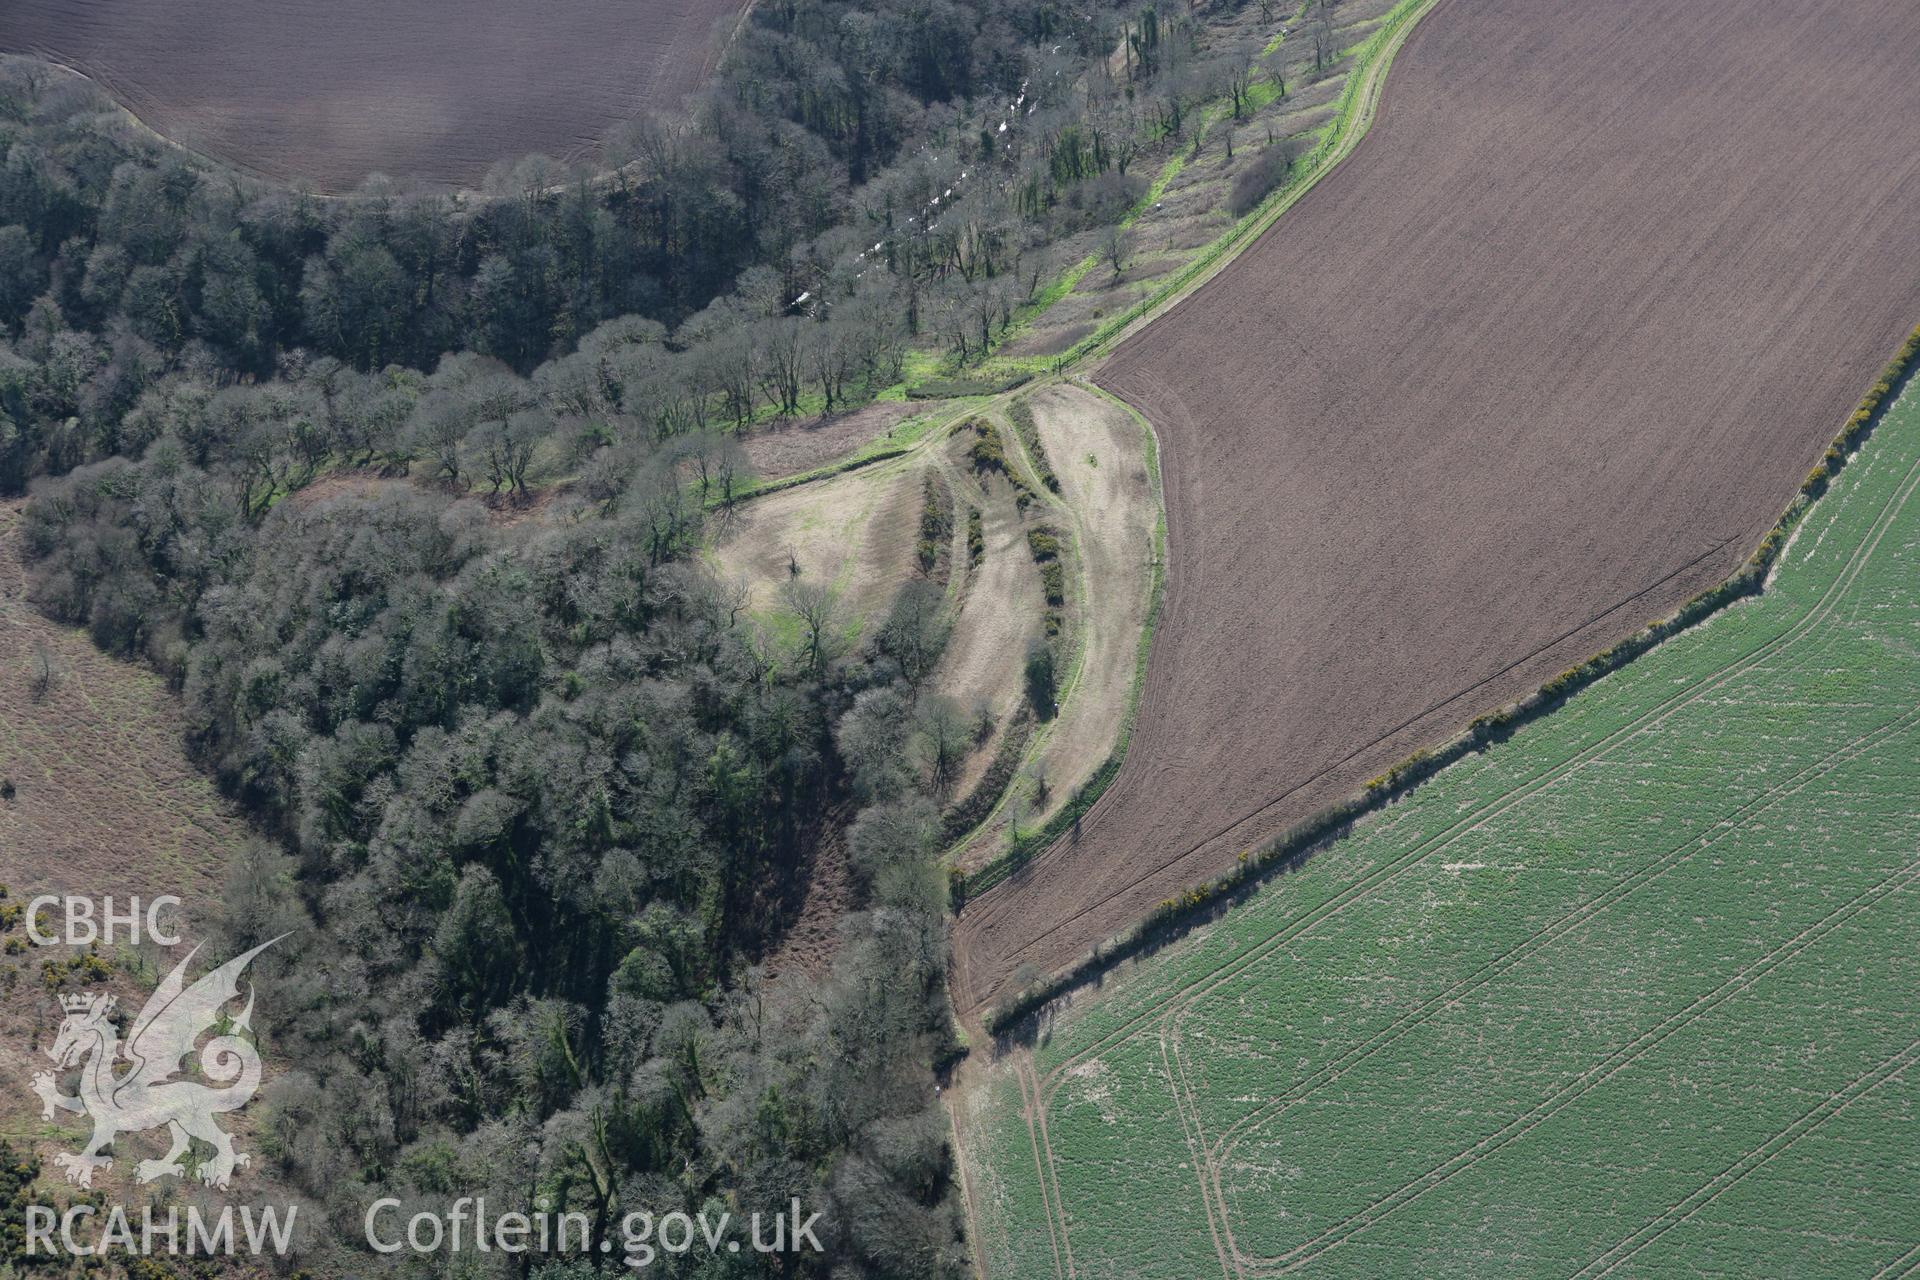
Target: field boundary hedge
{"type": "Point", "coordinates": [1363, 88]}
{"type": "Point", "coordinates": [903, 439]}
{"type": "Point", "coordinates": [1293, 846]}
{"type": "Point", "coordinates": [1354, 110]}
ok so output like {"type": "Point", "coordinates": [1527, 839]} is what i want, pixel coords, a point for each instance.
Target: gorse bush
{"type": "Point", "coordinates": [1040, 678]}
{"type": "Point", "coordinates": [978, 803]}
{"type": "Point", "coordinates": [1053, 582]}
{"type": "Point", "coordinates": [1044, 542]}
{"type": "Point", "coordinates": [988, 452]}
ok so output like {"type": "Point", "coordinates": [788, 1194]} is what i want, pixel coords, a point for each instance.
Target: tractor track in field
{"type": "Point", "coordinates": [1789, 635]}
{"type": "Point", "coordinates": [1586, 912]}
{"type": "Point", "coordinates": [1219, 1153]}
{"type": "Point", "coordinates": [1213, 1161]}
{"type": "Point", "coordinates": [1754, 1159]}
{"type": "Point", "coordinates": [1033, 1109]}
{"type": "Point", "coordinates": [1904, 1265]}
{"type": "Point", "coordinates": [1441, 704]}
{"type": "Point", "coordinates": [1588, 1080]}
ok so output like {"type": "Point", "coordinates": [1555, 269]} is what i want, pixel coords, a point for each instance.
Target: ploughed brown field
{"type": "Point", "coordinates": [1543, 359]}
{"type": "Point", "coordinates": [434, 90]}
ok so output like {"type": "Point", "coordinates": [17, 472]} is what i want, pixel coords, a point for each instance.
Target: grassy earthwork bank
{"type": "Point", "coordinates": [1023, 844]}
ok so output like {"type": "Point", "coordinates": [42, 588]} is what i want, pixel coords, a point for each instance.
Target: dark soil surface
{"type": "Point", "coordinates": [327, 93]}
{"type": "Point", "coordinates": [1542, 360]}
{"type": "Point", "coordinates": [1047, 342]}
{"type": "Point", "coordinates": [788, 448]}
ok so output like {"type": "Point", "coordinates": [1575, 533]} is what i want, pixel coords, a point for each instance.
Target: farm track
{"type": "Point", "coordinates": [1033, 1109]}
{"type": "Point", "coordinates": [1430, 485]}
{"type": "Point", "coordinates": [1196, 1139]}
{"type": "Point", "coordinates": [1164, 1015]}
{"type": "Point", "coordinates": [1752, 1160]}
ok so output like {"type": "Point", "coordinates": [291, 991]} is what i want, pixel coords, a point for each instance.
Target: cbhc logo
{"type": "Point", "coordinates": [84, 925]}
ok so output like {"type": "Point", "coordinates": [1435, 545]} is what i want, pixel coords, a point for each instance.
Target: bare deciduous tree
{"type": "Point", "coordinates": [782, 368]}
{"type": "Point", "coordinates": [945, 739]}
{"type": "Point", "coordinates": [41, 672]}
{"type": "Point", "coordinates": [508, 444]}
{"type": "Point", "coordinates": [1320, 28]}
{"type": "Point", "coordinates": [734, 596]}
{"type": "Point", "coordinates": [1242, 66]}
{"type": "Point", "coordinates": [817, 606]}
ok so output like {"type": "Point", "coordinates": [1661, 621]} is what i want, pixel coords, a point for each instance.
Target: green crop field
{"type": "Point", "coordinates": [1634, 993]}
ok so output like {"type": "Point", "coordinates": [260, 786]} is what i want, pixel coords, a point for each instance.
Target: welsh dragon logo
{"type": "Point", "coordinates": [144, 1095]}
